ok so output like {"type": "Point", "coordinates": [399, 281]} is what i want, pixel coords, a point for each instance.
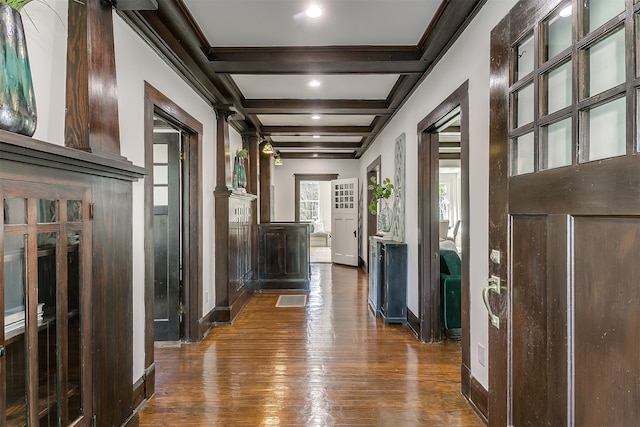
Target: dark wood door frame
{"type": "Point", "coordinates": [429, 325]}
{"type": "Point", "coordinates": [373, 169]}
{"type": "Point", "coordinates": [158, 104]}
{"type": "Point", "coordinates": [309, 177]}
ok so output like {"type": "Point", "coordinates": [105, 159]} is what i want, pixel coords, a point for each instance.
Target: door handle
{"type": "Point", "coordinates": [354, 233]}
{"type": "Point", "coordinates": [494, 285]}
{"type": "Point", "coordinates": [1, 351]}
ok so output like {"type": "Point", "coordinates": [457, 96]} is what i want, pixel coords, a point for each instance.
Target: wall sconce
{"type": "Point", "coordinates": [277, 160]}
{"type": "Point", "coordinates": [267, 148]}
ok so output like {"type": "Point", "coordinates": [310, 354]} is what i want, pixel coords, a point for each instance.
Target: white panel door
{"type": "Point", "coordinates": [344, 221]}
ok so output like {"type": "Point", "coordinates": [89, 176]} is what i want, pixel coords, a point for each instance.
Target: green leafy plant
{"type": "Point", "coordinates": [383, 190]}
{"type": "Point", "coordinates": [242, 153]}
{"type": "Point", "coordinates": [16, 4]}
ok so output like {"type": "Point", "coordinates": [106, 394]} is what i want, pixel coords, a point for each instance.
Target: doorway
{"type": "Point", "coordinates": [167, 236]}
{"type": "Point", "coordinates": [313, 205]}
{"type": "Point", "coordinates": [443, 137]}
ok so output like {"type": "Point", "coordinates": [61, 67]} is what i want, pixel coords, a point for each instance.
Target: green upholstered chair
{"type": "Point", "coordinates": [450, 292]}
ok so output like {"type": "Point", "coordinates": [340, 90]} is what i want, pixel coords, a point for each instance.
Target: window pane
{"type": "Point", "coordinates": [15, 211]}
{"type": "Point", "coordinates": [14, 321]}
{"type": "Point", "coordinates": [600, 11]}
{"type": "Point", "coordinates": [160, 153]}
{"type": "Point", "coordinates": [606, 63]}
{"type": "Point", "coordinates": [524, 53]}
{"type": "Point", "coordinates": [523, 154]}
{"type": "Point", "coordinates": [558, 32]}
{"type": "Point", "coordinates": [524, 105]}
{"type": "Point", "coordinates": [559, 88]}
{"type": "Point", "coordinates": [160, 196]}
{"type": "Point", "coordinates": [607, 130]}
{"type": "Point", "coordinates": [557, 140]}
{"type": "Point", "coordinates": [161, 174]}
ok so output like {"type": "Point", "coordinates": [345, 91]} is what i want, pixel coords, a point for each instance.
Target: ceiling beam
{"type": "Point", "coordinates": [314, 144]}
{"type": "Point", "coordinates": [317, 156]}
{"type": "Point", "coordinates": [316, 59]}
{"type": "Point", "coordinates": [317, 130]}
{"type": "Point", "coordinates": [329, 106]}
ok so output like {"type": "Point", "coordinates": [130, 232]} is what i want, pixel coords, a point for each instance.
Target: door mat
{"type": "Point", "coordinates": [292, 301]}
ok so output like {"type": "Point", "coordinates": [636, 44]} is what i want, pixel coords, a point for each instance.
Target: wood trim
{"type": "Point", "coordinates": [309, 106]}
{"type": "Point", "coordinates": [479, 399]}
{"type": "Point", "coordinates": [139, 394]}
{"type": "Point", "coordinates": [308, 177]}
{"type": "Point", "coordinates": [265, 186]}
{"type": "Point", "coordinates": [318, 130]}
{"type": "Point", "coordinates": [335, 156]}
{"type": "Point", "coordinates": [158, 103]}
{"type": "Point", "coordinates": [414, 323]}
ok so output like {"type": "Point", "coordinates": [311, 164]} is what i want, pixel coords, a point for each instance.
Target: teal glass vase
{"type": "Point", "coordinates": [17, 99]}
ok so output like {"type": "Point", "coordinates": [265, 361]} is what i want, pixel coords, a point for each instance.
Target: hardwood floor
{"type": "Point", "coordinates": [330, 363]}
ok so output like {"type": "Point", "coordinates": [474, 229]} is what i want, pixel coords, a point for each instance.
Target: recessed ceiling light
{"type": "Point", "coordinates": [316, 117]}
{"type": "Point", "coordinates": [566, 12]}
{"type": "Point", "coordinates": [313, 11]}
{"type": "Point", "coordinates": [316, 136]}
{"type": "Point", "coordinates": [313, 83]}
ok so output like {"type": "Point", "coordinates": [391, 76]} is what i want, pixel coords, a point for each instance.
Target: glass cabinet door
{"type": "Point", "coordinates": [44, 285]}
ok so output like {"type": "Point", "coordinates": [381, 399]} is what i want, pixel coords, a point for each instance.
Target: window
{"type": "Point", "coordinates": [570, 91]}
{"type": "Point", "coordinates": [309, 200]}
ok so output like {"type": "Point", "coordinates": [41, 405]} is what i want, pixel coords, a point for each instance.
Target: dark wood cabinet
{"type": "Point", "coordinates": [65, 285]}
{"type": "Point", "coordinates": [283, 256]}
{"type": "Point", "coordinates": [241, 245]}
{"type": "Point", "coordinates": [388, 279]}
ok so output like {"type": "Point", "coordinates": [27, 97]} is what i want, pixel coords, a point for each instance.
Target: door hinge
{"type": "Point", "coordinates": [94, 420]}
{"type": "Point", "coordinates": [182, 156]}
{"type": "Point", "coordinates": [181, 310]}
{"type": "Point", "coordinates": [92, 208]}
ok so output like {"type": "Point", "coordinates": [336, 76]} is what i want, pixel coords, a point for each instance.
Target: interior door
{"type": "Point", "coordinates": [564, 298]}
{"type": "Point", "coordinates": [344, 221]}
{"type": "Point", "coordinates": [166, 231]}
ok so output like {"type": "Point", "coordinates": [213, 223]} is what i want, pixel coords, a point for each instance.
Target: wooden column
{"type": "Point", "coordinates": [265, 186]}
{"type": "Point", "coordinates": [223, 152]}
{"type": "Point", "coordinates": [91, 119]}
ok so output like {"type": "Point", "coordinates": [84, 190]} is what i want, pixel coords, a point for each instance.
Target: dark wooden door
{"type": "Point", "coordinates": [564, 216]}
{"type": "Point", "coordinates": [167, 238]}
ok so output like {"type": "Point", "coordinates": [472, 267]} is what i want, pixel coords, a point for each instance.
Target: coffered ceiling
{"type": "Point", "coordinates": [259, 56]}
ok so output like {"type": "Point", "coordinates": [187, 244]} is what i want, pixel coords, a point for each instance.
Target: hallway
{"type": "Point", "coordinates": [331, 363]}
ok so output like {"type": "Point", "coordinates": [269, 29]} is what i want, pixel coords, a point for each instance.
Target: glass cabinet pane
{"type": "Point", "coordinates": [601, 11]}
{"type": "Point", "coordinates": [74, 210]}
{"type": "Point", "coordinates": [14, 326]}
{"type": "Point", "coordinates": [606, 63]}
{"type": "Point", "coordinates": [160, 174]}
{"type": "Point", "coordinates": [160, 153]}
{"type": "Point", "coordinates": [607, 131]}
{"type": "Point", "coordinates": [557, 144]}
{"type": "Point", "coordinates": [559, 88]}
{"type": "Point", "coordinates": [558, 32]}
{"type": "Point", "coordinates": [524, 53]}
{"type": "Point", "coordinates": [47, 351]}
{"type": "Point", "coordinates": [524, 105]}
{"type": "Point", "coordinates": [47, 211]}
{"type": "Point", "coordinates": [74, 386]}
{"type": "Point", "coordinates": [15, 211]}
{"type": "Point", "coordinates": [523, 153]}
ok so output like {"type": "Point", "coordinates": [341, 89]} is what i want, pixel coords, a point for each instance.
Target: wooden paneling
{"type": "Point", "coordinates": [607, 298]}
{"type": "Point", "coordinates": [283, 256]}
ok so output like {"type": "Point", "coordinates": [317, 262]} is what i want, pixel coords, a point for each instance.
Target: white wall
{"type": "Point", "coordinates": [284, 180]}
{"type": "Point", "coordinates": [135, 64]}
{"type": "Point", "coordinates": [468, 59]}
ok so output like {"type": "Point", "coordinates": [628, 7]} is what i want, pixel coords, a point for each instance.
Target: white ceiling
{"type": "Point", "coordinates": [257, 56]}
{"type": "Point", "coordinates": [228, 23]}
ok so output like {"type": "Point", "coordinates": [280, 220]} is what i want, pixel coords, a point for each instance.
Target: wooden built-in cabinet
{"type": "Point", "coordinates": [283, 256]}
{"type": "Point", "coordinates": [65, 285]}
{"type": "Point", "coordinates": [235, 253]}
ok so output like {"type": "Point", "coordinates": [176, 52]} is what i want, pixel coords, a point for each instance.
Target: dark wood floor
{"type": "Point", "coordinates": [331, 363]}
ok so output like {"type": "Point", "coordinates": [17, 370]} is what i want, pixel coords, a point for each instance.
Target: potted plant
{"type": "Point", "coordinates": [381, 192]}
